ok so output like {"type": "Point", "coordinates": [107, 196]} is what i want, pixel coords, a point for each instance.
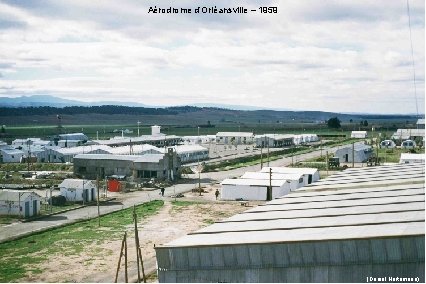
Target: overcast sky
{"type": "Point", "coordinates": [343, 56]}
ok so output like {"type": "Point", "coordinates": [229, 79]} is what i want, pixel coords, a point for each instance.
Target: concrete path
{"type": "Point", "coordinates": [127, 200]}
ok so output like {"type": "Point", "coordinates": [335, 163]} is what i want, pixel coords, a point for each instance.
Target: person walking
{"type": "Point", "coordinates": [217, 193]}
{"type": "Point", "coordinates": [162, 191]}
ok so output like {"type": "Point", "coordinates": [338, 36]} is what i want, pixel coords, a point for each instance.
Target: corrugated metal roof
{"type": "Point", "coordinates": [357, 213]}
{"type": "Point", "coordinates": [149, 158]}
{"type": "Point", "coordinates": [106, 157]}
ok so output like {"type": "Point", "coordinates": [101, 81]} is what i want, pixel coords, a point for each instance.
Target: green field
{"type": "Point", "coordinates": [21, 256]}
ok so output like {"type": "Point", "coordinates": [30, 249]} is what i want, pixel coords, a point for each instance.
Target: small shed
{"type": "Point", "coordinates": [252, 189]}
{"type": "Point", "coordinates": [20, 203]}
{"type": "Point", "coordinates": [408, 158]}
{"type": "Point", "coordinates": [234, 138]}
{"type": "Point", "coordinates": [361, 153]}
{"type": "Point", "coordinates": [310, 175]}
{"type": "Point", "coordinates": [359, 134]}
{"type": "Point", "coordinates": [78, 190]}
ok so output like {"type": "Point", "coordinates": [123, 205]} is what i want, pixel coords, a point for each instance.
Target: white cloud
{"type": "Point", "coordinates": [314, 55]}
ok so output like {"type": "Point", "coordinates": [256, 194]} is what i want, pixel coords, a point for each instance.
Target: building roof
{"type": "Point", "coordinates": [357, 147]}
{"type": "Point", "coordinates": [15, 195]}
{"type": "Point", "coordinates": [141, 139]}
{"type": "Point", "coordinates": [410, 156]}
{"type": "Point", "coordinates": [82, 149]}
{"type": "Point", "coordinates": [73, 136]}
{"type": "Point", "coordinates": [149, 158]}
{"type": "Point", "coordinates": [125, 150]}
{"type": "Point", "coordinates": [253, 182]}
{"type": "Point", "coordinates": [276, 136]}
{"type": "Point", "coordinates": [278, 176]}
{"type": "Point", "coordinates": [107, 157]}
{"type": "Point", "coordinates": [12, 151]}
{"type": "Point", "coordinates": [287, 170]}
{"type": "Point", "coordinates": [235, 134]}
{"type": "Point", "coordinates": [420, 121]}
{"type": "Point", "coordinates": [396, 209]}
{"type": "Point", "coordinates": [76, 183]}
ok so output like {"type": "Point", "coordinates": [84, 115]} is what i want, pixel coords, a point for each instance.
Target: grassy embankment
{"type": "Point", "coordinates": [19, 257]}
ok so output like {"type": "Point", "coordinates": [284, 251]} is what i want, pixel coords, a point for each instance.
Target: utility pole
{"type": "Point", "coordinates": [51, 201]}
{"type": "Point", "coordinates": [268, 151]}
{"type": "Point", "coordinates": [138, 127]}
{"type": "Point", "coordinates": [353, 154]}
{"type": "Point", "coordinates": [261, 156]}
{"type": "Point", "coordinates": [269, 193]}
{"type": "Point", "coordinates": [326, 161]}
{"type": "Point", "coordinates": [99, 212]}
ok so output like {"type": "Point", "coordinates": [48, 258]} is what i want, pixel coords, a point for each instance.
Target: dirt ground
{"type": "Point", "coordinates": [98, 263]}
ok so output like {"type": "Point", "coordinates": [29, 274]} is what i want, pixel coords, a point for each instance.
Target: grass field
{"type": "Point", "coordinates": [19, 256]}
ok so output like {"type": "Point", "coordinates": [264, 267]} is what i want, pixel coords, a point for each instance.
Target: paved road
{"type": "Point", "coordinates": [134, 198]}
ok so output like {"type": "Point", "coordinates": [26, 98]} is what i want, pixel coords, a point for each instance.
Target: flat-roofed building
{"type": "Point", "coordinates": [234, 138]}
{"type": "Point", "coordinates": [408, 158]}
{"type": "Point", "coordinates": [274, 140]}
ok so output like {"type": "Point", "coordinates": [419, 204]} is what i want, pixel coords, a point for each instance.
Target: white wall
{"type": "Point", "coordinates": [12, 207]}
{"type": "Point", "coordinates": [246, 192]}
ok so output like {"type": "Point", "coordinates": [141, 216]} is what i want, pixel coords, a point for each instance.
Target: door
{"type": "Point", "coordinates": [27, 209]}
{"type": "Point", "coordinates": [309, 179]}
{"type": "Point", "coordinates": [93, 194]}
{"type": "Point", "coordinates": [268, 193]}
{"type": "Point", "coordinates": [346, 158]}
{"type": "Point", "coordinates": [35, 202]}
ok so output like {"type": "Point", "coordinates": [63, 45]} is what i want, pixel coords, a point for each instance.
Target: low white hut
{"type": "Point", "coordinates": [78, 190]}
{"type": "Point", "coordinates": [20, 203]}
{"type": "Point", "coordinates": [359, 134]}
{"type": "Point", "coordinates": [387, 144]}
{"type": "Point", "coordinates": [408, 144]}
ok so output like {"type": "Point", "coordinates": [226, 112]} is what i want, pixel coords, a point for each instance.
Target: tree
{"type": "Point", "coordinates": [365, 123]}
{"type": "Point", "coordinates": [333, 123]}
{"type": "Point", "coordinates": [3, 130]}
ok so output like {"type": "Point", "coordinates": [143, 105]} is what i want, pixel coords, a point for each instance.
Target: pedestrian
{"type": "Point", "coordinates": [162, 191]}
{"type": "Point", "coordinates": [217, 193]}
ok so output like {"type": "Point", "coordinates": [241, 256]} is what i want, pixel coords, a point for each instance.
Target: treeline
{"type": "Point", "coordinates": [106, 109]}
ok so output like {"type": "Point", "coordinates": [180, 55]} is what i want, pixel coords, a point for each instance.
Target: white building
{"type": "Point", "coordinates": [252, 189]}
{"type": "Point", "coordinates": [78, 189]}
{"type": "Point", "coordinates": [191, 153]}
{"type": "Point", "coordinates": [295, 180]}
{"type": "Point", "coordinates": [359, 134]}
{"type": "Point", "coordinates": [19, 203]}
{"type": "Point", "coordinates": [305, 138]}
{"type": "Point", "coordinates": [310, 175]}
{"type": "Point", "coordinates": [420, 123]}
{"type": "Point", "coordinates": [408, 158]}
{"type": "Point", "coordinates": [8, 155]}
{"type": "Point", "coordinates": [358, 154]}
{"type": "Point", "coordinates": [404, 134]}
{"type": "Point", "coordinates": [234, 138]}
{"type": "Point", "coordinates": [274, 140]}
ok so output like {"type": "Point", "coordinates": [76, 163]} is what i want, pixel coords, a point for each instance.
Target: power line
{"type": "Point", "coordinates": [412, 58]}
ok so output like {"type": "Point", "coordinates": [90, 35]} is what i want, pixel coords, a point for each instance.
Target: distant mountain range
{"type": "Point", "coordinates": [47, 100]}
{"type": "Point", "coordinates": [52, 101]}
